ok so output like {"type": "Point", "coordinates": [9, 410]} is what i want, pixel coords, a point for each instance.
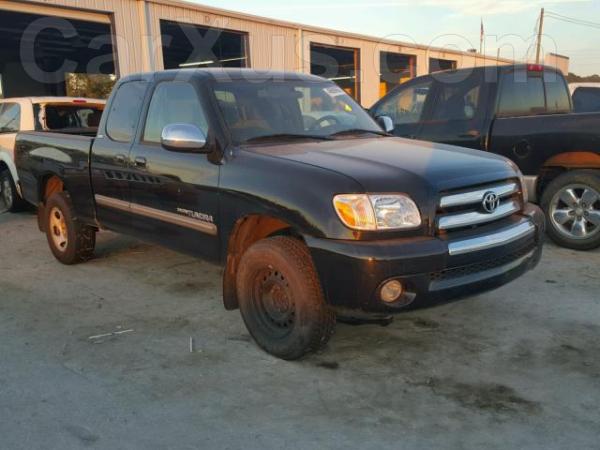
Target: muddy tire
{"type": "Point", "coordinates": [572, 206]}
{"type": "Point", "coordinates": [70, 241]}
{"type": "Point", "coordinates": [9, 198]}
{"type": "Point", "coordinates": [281, 300]}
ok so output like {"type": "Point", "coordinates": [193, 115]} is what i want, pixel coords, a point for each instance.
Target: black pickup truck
{"type": "Point", "coordinates": [314, 211]}
{"type": "Point", "coordinates": [523, 112]}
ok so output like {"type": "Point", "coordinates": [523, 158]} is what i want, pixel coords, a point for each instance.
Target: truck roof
{"type": "Point", "coordinates": [223, 74]}
{"type": "Point", "coordinates": [585, 85]}
{"type": "Point", "coordinates": [49, 99]}
{"type": "Point", "coordinates": [504, 68]}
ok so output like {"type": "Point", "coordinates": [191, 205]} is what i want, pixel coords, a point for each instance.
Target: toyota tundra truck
{"type": "Point", "coordinates": [314, 211]}
{"type": "Point", "coordinates": [523, 112]}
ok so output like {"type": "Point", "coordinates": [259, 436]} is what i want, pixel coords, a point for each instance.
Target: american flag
{"type": "Point", "coordinates": [481, 37]}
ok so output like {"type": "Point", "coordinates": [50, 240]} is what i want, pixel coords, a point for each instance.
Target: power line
{"type": "Point", "coordinates": [589, 22]}
{"type": "Point", "coordinates": [572, 20]}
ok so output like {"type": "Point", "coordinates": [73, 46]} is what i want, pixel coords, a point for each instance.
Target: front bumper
{"type": "Point", "coordinates": [431, 269]}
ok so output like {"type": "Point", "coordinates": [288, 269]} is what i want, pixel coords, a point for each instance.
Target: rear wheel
{"type": "Point", "coordinates": [572, 205]}
{"type": "Point", "coordinates": [9, 198]}
{"type": "Point", "coordinates": [70, 241]}
{"type": "Point", "coordinates": [281, 300]}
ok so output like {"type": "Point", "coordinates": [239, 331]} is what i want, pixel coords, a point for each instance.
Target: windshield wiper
{"type": "Point", "coordinates": [360, 131]}
{"type": "Point", "coordinates": [283, 136]}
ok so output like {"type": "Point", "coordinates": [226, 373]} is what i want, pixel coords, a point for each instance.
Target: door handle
{"type": "Point", "coordinates": [141, 162]}
{"type": "Point", "coordinates": [471, 134]}
{"type": "Point", "coordinates": [120, 159]}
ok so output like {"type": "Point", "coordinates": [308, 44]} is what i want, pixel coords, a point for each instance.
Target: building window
{"type": "Point", "coordinates": [338, 64]}
{"type": "Point", "coordinates": [437, 65]}
{"type": "Point", "coordinates": [193, 46]}
{"type": "Point", "coordinates": [395, 69]}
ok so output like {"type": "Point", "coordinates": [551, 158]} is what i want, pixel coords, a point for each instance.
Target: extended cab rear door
{"type": "Point", "coordinates": [110, 168]}
{"type": "Point", "coordinates": [523, 129]}
{"type": "Point", "coordinates": [458, 112]}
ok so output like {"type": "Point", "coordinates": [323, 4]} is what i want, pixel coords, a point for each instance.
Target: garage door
{"type": "Point", "coordinates": [47, 54]}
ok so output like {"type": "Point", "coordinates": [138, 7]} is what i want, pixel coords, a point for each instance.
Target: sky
{"type": "Point", "coordinates": [508, 24]}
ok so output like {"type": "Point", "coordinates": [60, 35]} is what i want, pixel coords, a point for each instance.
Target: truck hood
{"type": "Point", "coordinates": [396, 164]}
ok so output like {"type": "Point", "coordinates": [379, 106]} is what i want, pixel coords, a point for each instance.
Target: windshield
{"type": "Point", "coordinates": [280, 109]}
{"type": "Point", "coordinates": [64, 117]}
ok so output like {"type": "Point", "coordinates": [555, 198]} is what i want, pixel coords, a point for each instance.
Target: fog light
{"type": "Point", "coordinates": [391, 291]}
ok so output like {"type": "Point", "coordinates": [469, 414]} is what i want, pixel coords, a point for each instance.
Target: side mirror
{"type": "Point", "coordinates": [386, 123]}
{"type": "Point", "coordinates": [183, 137]}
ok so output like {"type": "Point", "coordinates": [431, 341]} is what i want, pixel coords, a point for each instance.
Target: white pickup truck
{"type": "Point", "coordinates": [50, 114]}
{"type": "Point", "coordinates": [586, 97]}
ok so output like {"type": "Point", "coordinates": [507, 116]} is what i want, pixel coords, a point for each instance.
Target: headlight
{"type": "Point", "coordinates": [377, 212]}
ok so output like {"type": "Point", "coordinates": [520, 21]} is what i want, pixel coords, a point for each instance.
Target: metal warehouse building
{"type": "Point", "coordinates": [80, 47]}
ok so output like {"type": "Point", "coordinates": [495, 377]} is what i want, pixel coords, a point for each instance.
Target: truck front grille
{"type": "Point", "coordinates": [467, 208]}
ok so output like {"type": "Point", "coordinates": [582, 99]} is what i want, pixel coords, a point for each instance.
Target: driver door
{"type": "Point", "coordinates": [174, 196]}
{"type": "Point", "coordinates": [406, 107]}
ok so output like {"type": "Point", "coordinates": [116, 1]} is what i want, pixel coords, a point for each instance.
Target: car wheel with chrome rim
{"type": "Point", "coordinates": [572, 205]}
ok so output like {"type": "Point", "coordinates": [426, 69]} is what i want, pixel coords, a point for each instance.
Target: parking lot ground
{"type": "Point", "coordinates": [515, 368]}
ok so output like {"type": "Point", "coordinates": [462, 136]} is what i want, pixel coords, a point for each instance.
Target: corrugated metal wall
{"type": "Point", "coordinates": [272, 44]}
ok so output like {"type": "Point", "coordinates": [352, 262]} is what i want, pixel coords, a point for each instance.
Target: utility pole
{"type": "Point", "coordinates": [539, 39]}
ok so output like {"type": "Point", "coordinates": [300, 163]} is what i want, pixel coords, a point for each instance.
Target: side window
{"type": "Point", "coordinates": [557, 93]}
{"type": "Point", "coordinates": [173, 102]}
{"type": "Point", "coordinates": [10, 117]}
{"type": "Point", "coordinates": [521, 95]}
{"type": "Point", "coordinates": [457, 101]}
{"type": "Point", "coordinates": [586, 100]}
{"type": "Point", "coordinates": [406, 105]}
{"type": "Point", "coordinates": [125, 111]}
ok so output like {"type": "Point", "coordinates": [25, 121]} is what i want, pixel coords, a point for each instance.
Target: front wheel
{"type": "Point", "coordinates": [281, 300]}
{"type": "Point", "coordinates": [572, 206]}
{"type": "Point", "coordinates": [70, 241]}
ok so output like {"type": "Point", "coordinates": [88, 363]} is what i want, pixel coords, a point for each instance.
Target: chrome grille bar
{"type": "Point", "coordinates": [471, 197]}
{"type": "Point", "coordinates": [465, 219]}
{"type": "Point", "coordinates": [495, 239]}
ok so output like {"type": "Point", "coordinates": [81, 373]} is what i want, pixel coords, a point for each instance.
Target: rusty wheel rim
{"type": "Point", "coordinates": [58, 229]}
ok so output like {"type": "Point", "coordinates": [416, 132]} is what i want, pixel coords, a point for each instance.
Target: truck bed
{"type": "Point", "coordinates": [40, 154]}
{"type": "Point", "coordinates": [552, 134]}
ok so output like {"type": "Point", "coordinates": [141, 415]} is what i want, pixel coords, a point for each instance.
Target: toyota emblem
{"type": "Point", "coordinates": [490, 202]}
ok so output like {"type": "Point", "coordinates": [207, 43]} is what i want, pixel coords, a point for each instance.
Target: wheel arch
{"type": "Point", "coordinates": [246, 231]}
{"type": "Point", "coordinates": [49, 184]}
{"type": "Point", "coordinates": [563, 162]}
